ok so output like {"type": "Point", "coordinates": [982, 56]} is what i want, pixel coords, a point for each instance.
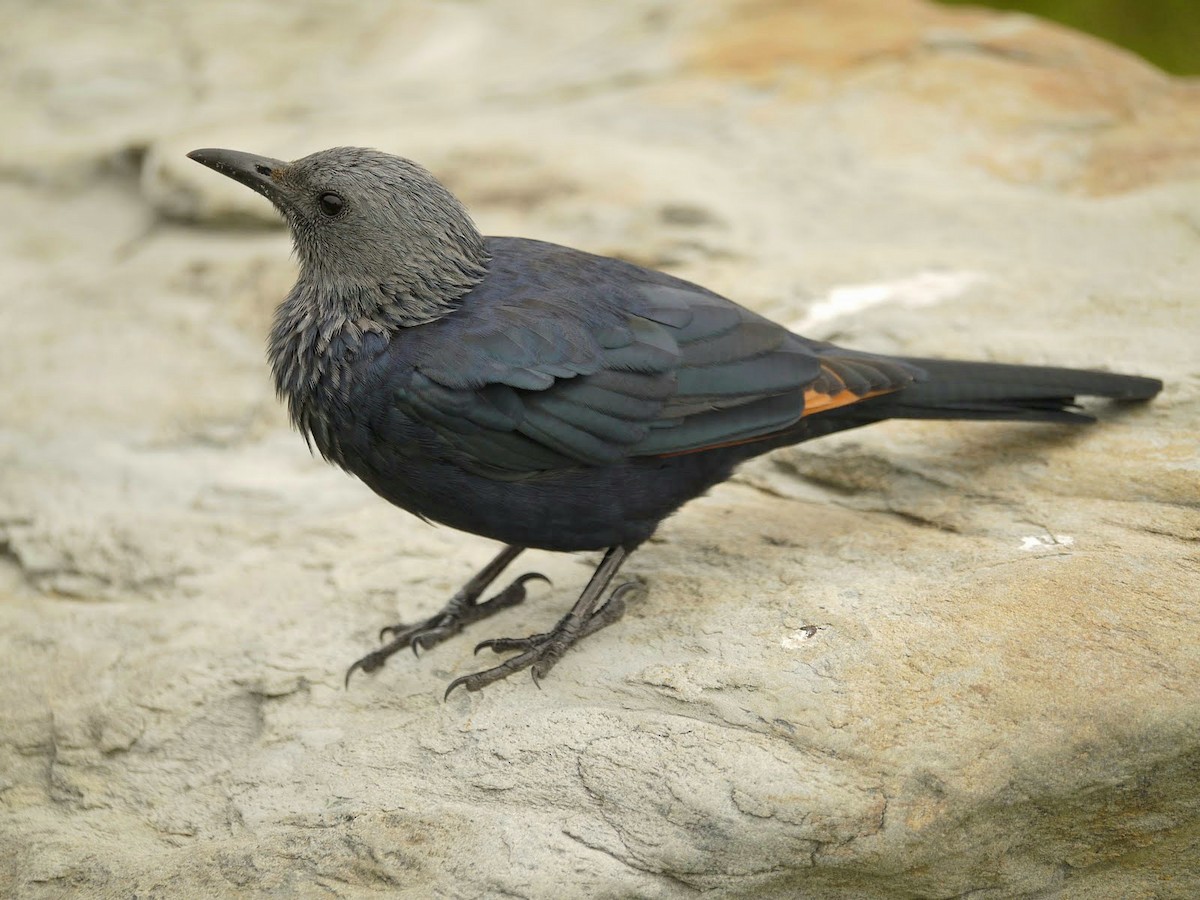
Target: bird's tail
{"type": "Point", "coordinates": [997, 391]}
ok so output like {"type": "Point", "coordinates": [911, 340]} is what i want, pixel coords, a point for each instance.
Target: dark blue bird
{"type": "Point", "coordinates": [545, 397]}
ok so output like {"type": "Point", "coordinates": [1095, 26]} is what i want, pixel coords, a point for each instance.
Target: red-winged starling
{"type": "Point", "coordinates": [546, 397]}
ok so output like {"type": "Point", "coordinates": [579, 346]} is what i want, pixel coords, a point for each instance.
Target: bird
{"type": "Point", "coordinates": [546, 397]}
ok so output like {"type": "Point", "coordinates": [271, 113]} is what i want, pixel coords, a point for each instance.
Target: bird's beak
{"type": "Point", "coordinates": [259, 173]}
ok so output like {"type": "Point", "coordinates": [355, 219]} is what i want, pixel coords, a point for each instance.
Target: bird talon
{"type": "Point", "coordinates": [367, 664]}
{"type": "Point", "coordinates": [507, 645]}
{"type": "Point", "coordinates": [461, 681]}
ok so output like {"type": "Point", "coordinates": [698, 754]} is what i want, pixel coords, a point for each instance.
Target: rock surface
{"type": "Point", "coordinates": [922, 660]}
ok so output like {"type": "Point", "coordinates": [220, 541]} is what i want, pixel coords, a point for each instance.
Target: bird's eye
{"type": "Point", "coordinates": [331, 204]}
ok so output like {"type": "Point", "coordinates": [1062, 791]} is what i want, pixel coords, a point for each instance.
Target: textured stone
{"type": "Point", "coordinates": [924, 659]}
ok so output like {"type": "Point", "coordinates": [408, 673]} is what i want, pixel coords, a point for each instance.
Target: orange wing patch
{"type": "Point", "coordinates": [818, 401]}
{"type": "Point", "coordinates": [829, 391]}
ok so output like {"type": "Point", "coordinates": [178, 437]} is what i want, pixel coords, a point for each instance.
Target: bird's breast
{"type": "Point", "coordinates": [314, 355]}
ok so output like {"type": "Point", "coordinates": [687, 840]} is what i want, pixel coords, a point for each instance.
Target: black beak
{"type": "Point", "coordinates": [256, 172]}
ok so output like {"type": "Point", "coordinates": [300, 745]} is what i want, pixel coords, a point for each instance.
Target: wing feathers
{"type": "Point", "coordinates": [612, 372]}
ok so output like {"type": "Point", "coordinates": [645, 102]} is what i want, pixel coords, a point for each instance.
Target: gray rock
{"type": "Point", "coordinates": [920, 660]}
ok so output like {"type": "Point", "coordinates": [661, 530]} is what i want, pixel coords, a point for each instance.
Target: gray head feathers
{"type": "Point", "coordinates": [380, 233]}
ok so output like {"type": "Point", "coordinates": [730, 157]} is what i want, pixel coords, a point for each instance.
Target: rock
{"type": "Point", "coordinates": [923, 659]}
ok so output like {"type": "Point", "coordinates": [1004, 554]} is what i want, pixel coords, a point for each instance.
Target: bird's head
{"type": "Point", "coordinates": [364, 221]}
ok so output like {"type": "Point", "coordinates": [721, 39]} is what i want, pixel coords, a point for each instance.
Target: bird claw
{"type": "Point", "coordinates": [369, 663]}
{"type": "Point", "coordinates": [454, 617]}
{"type": "Point", "coordinates": [538, 655]}
{"type": "Point", "coordinates": [506, 645]}
{"type": "Point", "coordinates": [540, 652]}
{"type": "Point", "coordinates": [417, 636]}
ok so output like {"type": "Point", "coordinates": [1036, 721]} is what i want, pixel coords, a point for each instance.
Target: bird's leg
{"type": "Point", "coordinates": [461, 611]}
{"type": "Point", "coordinates": [539, 652]}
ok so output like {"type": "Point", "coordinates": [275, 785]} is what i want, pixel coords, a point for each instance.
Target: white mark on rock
{"type": "Point", "coordinates": [1042, 541]}
{"type": "Point", "coordinates": [921, 289]}
{"type": "Point", "coordinates": [799, 636]}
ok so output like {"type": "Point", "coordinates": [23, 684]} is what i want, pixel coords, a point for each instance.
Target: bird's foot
{"type": "Point", "coordinates": [460, 612]}
{"type": "Point", "coordinates": [539, 652]}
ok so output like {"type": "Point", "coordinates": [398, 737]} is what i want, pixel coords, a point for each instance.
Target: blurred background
{"type": "Point", "coordinates": [1166, 32]}
{"type": "Point", "coordinates": [182, 585]}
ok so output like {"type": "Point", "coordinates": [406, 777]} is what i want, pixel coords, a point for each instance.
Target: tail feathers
{"type": "Point", "coordinates": [997, 391]}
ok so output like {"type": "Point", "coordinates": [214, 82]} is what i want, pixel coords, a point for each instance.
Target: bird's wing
{"type": "Point", "coordinates": [540, 384]}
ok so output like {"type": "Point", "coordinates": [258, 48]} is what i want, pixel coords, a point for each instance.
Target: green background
{"type": "Point", "coordinates": [1166, 32]}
